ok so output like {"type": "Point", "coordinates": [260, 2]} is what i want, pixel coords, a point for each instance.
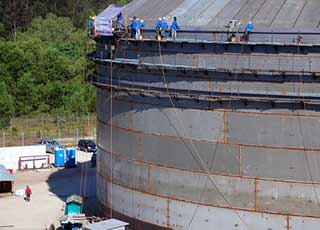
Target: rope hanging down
{"type": "Point", "coordinates": [200, 161]}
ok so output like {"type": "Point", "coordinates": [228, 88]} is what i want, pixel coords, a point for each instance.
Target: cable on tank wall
{"type": "Point", "coordinates": [200, 161]}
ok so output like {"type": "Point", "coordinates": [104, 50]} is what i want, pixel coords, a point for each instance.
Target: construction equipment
{"type": "Point", "coordinates": [73, 217]}
{"type": "Point", "coordinates": [232, 30]}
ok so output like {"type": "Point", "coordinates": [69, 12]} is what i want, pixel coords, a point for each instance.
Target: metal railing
{"type": "Point", "coordinates": [286, 37]}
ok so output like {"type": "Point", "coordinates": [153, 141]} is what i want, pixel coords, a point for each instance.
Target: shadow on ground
{"type": "Point", "coordinates": [80, 180]}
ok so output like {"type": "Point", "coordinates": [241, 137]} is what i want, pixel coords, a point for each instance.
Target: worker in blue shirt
{"type": "Point", "coordinates": [174, 27]}
{"type": "Point", "coordinates": [90, 25]}
{"type": "Point", "coordinates": [248, 29]}
{"type": "Point", "coordinates": [159, 24]}
{"type": "Point", "coordinates": [164, 27]}
{"type": "Point", "coordinates": [119, 21]}
{"type": "Point", "coordinates": [140, 25]}
{"type": "Point", "coordinates": [134, 25]}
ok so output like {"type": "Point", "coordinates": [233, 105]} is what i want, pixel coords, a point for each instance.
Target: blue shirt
{"type": "Point", "coordinates": [119, 16]}
{"type": "Point", "coordinates": [175, 25]}
{"type": "Point", "coordinates": [249, 27]}
{"type": "Point", "coordinates": [159, 24]}
{"type": "Point", "coordinates": [134, 24]}
{"type": "Point", "coordinates": [164, 25]}
{"type": "Point", "coordinates": [90, 23]}
{"type": "Point", "coordinates": [140, 25]}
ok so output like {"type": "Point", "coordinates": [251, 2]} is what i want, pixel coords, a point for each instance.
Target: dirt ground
{"type": "Point", "coordinates": [50, 188]}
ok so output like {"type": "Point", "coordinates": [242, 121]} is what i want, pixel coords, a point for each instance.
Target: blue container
{"type": "Point", "coordinates": [59, 157]}
{"type": "Point", "coordinates": [70, 158]}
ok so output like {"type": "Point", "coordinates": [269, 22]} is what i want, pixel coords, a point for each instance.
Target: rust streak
{"type": "Point", "coordinates": [149, 178]}
{"type": "Point", "coordinates": [255, 194]}
{"type": "Point", "coordinates": [140, 157]}
{"type": "Point", "coordinates": [239, 160]}
{"type": "Point", "coordinates": [132, 119]}
{"type": "Point", "coordinates": [225, 129]}
{"type": "Point", "coordinates": [168, 214]}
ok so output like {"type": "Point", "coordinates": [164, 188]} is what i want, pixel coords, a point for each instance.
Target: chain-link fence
{"type": "Point", "coordinates": [67, 130]}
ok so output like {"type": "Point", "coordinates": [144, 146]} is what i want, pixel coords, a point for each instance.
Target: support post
{"type": "Point", "coordinates": [3, 139]}
{"type": "Point", "coordinates": [77, 135]}
{"type": "Point", "coordinates": [22, 139]}
{"type": "Point", "coordinates": [59, 135]}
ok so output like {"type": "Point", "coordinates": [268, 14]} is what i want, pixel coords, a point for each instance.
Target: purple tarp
{"type": "Point", "coordinates": [103, 24]}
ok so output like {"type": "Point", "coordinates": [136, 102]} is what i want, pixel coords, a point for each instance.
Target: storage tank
{"type": "Point", "coordinates": [201, 133]}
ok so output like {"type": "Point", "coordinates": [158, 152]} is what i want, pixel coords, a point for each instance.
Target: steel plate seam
{"type": "Point", "coordinates": [211, 205]}
{"type": "Point", "coordinates": [211, 173]}
{"type": "Point", "coordinates": [214, 141]}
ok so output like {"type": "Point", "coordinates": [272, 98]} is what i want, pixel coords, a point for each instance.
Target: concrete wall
{"type": "Point", "coordinates": [9, 156]}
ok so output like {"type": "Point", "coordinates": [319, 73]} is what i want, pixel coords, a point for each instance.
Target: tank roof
{"type": "Point", "coordinates": [288, 15]}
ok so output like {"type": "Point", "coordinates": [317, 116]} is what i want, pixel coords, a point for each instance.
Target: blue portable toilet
{"type": "Point", "coordinates": [70, 157]}
{"type": "Point", "coordinates": [59, 157]}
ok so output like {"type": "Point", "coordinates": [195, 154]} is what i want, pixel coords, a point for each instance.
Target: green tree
{"type": "Point", "coordinates": [6, 101]}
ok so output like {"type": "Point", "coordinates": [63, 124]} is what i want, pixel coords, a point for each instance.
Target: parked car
{"type": "Point", "coordinates": [87, 145]}
{"type": "Point", "coordinates": [50, 145]}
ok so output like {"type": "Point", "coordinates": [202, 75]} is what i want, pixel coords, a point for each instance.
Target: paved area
{"type": "Point", "coordinates": [50, 189]}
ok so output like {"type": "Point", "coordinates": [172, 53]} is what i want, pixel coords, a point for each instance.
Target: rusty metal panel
{"type": "Point", "coordinates": [288, 198]}
{"type": "Point", "coordinates": [138, 205]}
{"type": "Point", "coordinates": [192, 216]}
{"type": "Point", "coordinates": [102, 190]}
{"type": "Point", "coordinates": [285, 164]}
{"type": "Point", "coordinates": [124, 143]}
{"type": "Point", "coordinates": [173, 152]}
{"type": "Point", "coordinates": [127, 173]}
{"type": "Point", "coordinates": [198, 187]}
{"type": "Point", "coordinates": [269, 130]}
{"type": "Point", "coordinates": [305, 223]}
{"type": "Point", "coordinates": [177, 122]}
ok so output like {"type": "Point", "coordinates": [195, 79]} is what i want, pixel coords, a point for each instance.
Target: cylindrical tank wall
{"type": "Point", "coordinates": [260, 164]}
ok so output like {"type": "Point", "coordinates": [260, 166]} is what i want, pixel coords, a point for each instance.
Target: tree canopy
{"type": "Point", "coordinates": [42, 56]}
{"type": "Point", "coordinates": [42, 68]}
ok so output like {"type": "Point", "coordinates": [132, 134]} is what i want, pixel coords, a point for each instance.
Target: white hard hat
{"type": "Point", "coordinates": [164, 18]}
{"type": "Point", "coordinates": [160, 18]}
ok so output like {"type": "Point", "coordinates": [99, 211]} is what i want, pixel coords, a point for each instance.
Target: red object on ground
{"type": "Point", "coordinates": [28, 191]}
{"type": "Point", "coordinates": [10, 171]}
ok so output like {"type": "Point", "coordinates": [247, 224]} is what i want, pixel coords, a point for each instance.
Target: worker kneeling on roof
{"type": "Point", "coordinates": [164, 27]}
{"type": "Point", "coordinates": [139, 34]}
{"type": "Point", "coordinates": [158, 28]}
